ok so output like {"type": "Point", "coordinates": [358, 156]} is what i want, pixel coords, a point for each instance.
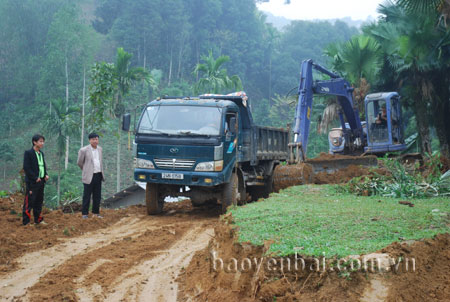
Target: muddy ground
{"type": "Point", "coordinates": [127, 256]}
{"type": "Point", "coordinates": [130, 256]}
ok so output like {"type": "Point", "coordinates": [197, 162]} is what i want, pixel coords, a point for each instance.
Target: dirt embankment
{"type": "Point", "coordinates": [209, 279]}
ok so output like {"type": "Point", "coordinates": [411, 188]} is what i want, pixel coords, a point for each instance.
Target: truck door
{"type": "Point", "coordinates": [231, 136]}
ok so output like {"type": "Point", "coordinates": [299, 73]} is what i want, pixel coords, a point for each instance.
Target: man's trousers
{"type": "Point", "coordinates": [94, 189]}
{"type": "Point", "coordinates": [34, 198]}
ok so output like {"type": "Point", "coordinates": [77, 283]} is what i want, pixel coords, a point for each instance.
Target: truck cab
{"type": "Point", "coordinates": [186, 142]}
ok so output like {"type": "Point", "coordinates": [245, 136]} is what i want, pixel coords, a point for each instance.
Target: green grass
{"type": "Point", "coordinates": [320, 221]}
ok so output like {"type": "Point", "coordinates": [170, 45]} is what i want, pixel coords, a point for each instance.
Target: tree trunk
{"type": "Point", "coordinates": [197, 56]}
{"type": "Point", "coordinates": [423, 126]}
{"type": "Point", "coordinates": [82, 106]}
{"type": "Point", "coordinates": [145, 57]}
{"type": "Point", "coordinates": [118, 158]}
{"type": "Point", "coordinates": [58, 185]}
{"type": "Point", "coordinates": [270, 79]}
{"type": "Point", "coordinates": [180, 57]}
{"type": "Point", "coordinates": [441, 110]}
{"type": "Point", "coordinates": [139, 52]}
{"type": "Point", "coordinates": [66, 159]}
{"type": "Point", "coordinates": [170, 65]}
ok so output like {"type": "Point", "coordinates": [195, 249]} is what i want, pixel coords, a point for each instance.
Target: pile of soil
{"type": "Point", "coordinates": [345, 175]}
{"type": "Point", "coordinates": [431, 280]}
{"type": "Point", "coordinates": [17, 239]}
{"type": "Point", "coordinates": [205, 279]}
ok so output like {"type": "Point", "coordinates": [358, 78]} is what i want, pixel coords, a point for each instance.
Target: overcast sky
{"type": "Point", "coordinates": [322, 9]}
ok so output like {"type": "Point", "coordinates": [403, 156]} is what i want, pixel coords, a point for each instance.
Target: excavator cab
{"type": "Point", "coordinates": [384, 123]}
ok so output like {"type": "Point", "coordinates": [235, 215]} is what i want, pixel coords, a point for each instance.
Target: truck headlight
{"type": "Point", "coordinates": [210, 166]}
{"type": "Point", "coordinates": [143, 163]}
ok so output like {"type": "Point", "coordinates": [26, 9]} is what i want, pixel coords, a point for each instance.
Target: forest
{"type": "Point", "coordinates": [55, 55]}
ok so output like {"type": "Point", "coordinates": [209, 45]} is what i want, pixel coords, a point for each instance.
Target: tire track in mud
{"type": "Point", "coordinates": [96, 273]}
{"type": "Point", "coordinates": [34, 265]}
{"type": "Point", "coordinates": [154, 280]}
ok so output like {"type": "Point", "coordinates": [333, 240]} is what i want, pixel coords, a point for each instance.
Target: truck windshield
{"type": "Point", "coordinates": [181, 120]}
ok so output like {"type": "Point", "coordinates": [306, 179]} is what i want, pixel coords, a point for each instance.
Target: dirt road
{"type": "Point", "coordinates": [136, 258]}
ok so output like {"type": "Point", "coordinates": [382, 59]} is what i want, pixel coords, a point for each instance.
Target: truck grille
{"type": "Point", "coordinates": [174, 163]}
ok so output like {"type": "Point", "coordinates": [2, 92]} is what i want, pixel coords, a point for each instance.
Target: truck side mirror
{"type": "Point", "coordinates": [126, 121]}
{"type": "Point", "coordinates": [233, 125]}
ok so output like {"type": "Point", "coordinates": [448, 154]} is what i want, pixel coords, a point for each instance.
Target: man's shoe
{"type": "Point", "coordinates": [85, 217]}
{"type": "Point", "coordinates": [98, 216]}
{"type": "Point", "coordinates": [42, 223]}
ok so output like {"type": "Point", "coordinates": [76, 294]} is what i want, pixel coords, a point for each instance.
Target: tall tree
{"type": "Point", "coordinates": [60, 124]}
{"type": "Point", "coordinates": [70, 46]}
{"type": "Point", "coordinates": [215, 79]}
{"type": "Point", "coordinates": [359, 60]}
{"type": "Point", "coordinates": [416, 50]}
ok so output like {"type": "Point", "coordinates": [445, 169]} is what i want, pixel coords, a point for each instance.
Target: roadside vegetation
{"type": "Point", "coordinates": [430, 180]}
{"type": "Point", "coordinates": [321, 220]}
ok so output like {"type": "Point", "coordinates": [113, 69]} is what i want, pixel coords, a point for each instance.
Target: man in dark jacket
{"type": "Point", "coordinates": [35, 178]}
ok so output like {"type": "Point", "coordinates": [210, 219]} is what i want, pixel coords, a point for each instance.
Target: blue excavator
{"type": "Point", "coordinates": [381, 131]}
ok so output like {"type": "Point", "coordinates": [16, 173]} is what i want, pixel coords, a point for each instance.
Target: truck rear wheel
{"type": "Point", "coordinates": [230, 193]}
{"type": "Point", "coordinates": [257, 192]}
{"type": "Point", "coordinates": [153, 199]}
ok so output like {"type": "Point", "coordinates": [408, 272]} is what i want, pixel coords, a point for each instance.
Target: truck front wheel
{"type": "Point", "coordinates": [153, 199]}
{"type": "Point", "coordinates": [230, 193]}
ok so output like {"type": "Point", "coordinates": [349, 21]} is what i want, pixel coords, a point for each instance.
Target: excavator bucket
{"type": "Point", "coordinates": [332, 163]}
{"type": "Point", "coordinates": [303, 173]}
{"type": "Point", "coordinates": [285, 176]}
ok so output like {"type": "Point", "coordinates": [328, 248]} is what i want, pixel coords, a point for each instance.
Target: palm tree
{"type": "Point", "coordinates": [357, 58]}
{"type": "Point", "coordinates": [60, 125]}
{"type": "Point", "coordinates": [358, 61]}
{"type": "Point", "coordinates": [111, 83]}
{"type": "Point", "coordinates": [215, 79]}
{"type": "Point", "coordinates": [125, 77]}
{"type": "Point", "coordinates": [442, 7]}
{"type": "Point", "coordinates": [414, 47]}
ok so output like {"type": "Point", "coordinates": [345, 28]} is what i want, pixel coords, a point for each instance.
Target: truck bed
{"type": "Point", "coordinates": [271, 143]}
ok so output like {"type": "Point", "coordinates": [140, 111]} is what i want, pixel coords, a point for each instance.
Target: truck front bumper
{"type": "Point", "coordinates": [188, 178]}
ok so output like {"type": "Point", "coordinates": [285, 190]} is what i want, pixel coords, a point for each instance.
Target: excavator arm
{"type": "Point", "coordinates": [336, 86]}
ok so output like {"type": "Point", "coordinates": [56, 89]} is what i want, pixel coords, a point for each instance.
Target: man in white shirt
{"type": "Point", "coordinates": [91, 163]}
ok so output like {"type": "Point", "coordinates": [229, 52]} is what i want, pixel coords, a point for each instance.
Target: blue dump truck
{"type": "Point", "coordinates": [206, 148]}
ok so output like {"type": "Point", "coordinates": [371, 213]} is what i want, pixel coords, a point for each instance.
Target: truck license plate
{"type": "Point", "coordinates": [172, 175]}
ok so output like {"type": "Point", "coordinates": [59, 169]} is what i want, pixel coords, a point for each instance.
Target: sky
{"type": "Point", "coordinates": [322, 9]}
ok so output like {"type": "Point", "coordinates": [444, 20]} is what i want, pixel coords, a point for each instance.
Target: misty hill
{"type": "Point", "coordinates": [279, 22]}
